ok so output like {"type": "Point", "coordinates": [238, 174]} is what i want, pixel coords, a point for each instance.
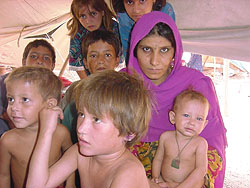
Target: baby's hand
{"type": "Point", "coordinates": [49, 117]}
{"type": "Point", "coordinates": [155, 180]}
{"type": "Point", "coordinates": [165, 185]}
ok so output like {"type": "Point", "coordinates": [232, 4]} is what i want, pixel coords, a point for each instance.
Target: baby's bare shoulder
{"type": "Point", "coordinates": [167, 135]}
{"type": "Point", "coordinates": [200, 142]}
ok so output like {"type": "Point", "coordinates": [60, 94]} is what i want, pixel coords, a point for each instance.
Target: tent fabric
{"type": "Point", "coordinates": [216, 28]}
{"type": "Point", "coordinates": [209, 27]}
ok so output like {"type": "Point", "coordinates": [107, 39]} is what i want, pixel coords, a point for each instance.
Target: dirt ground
{"type": "Point", "coordinates": [237, 121]}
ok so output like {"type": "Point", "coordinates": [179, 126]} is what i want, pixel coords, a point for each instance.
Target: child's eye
{"type": "Point", "coordinates": [142, 1]}
{"type": "Point", "coordinates": [108, 55]}
{"type": "Point", "coordinates": [185, 115]}
{"type": "Point", "coordinates": [93, 55]}
{"type": "Point", "coordinates": [199, 119]}
{"type": "Point", "coordinates": [93, 14]}
{"type": "Point", "coordinates": [25, 99]}
{"type": "Point", "coordinates": [33, 56]}
{"type": "Point", "coordinates": [46, 58]}
{"type": "Point", "coordinates": [83, 16]}
{"type": "Point", "coordinates": [10, 100]}
{"type": "Point", "coordinates": [81, 115]}
{"type": "Point", "coordinates": [97, 120]}
{"type": "Point", "coordinates": [129, 2]}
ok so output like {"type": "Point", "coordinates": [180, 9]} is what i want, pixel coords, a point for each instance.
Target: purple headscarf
{"type": "Point", "coordinates": [178, 80]}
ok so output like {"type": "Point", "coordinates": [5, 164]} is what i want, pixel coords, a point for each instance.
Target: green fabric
{"type": "Point", "coordinates": [70, 120]}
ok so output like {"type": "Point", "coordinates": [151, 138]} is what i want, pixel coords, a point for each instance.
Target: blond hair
{"type": "Point", "coordinates": [44, 79]}
{"type": "Point", "coordinates": [121, 96]}
{"type": "Point", "coordinates": [189, 94]}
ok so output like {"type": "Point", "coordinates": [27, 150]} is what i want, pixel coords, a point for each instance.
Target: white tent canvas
{"type": "Point", "coordinates": [211, 27]}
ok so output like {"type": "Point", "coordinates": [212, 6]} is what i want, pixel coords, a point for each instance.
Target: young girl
{"type": "Point", "coordinates": [87, 16]}
{"type": "Point", "coordinates": [129, 11]}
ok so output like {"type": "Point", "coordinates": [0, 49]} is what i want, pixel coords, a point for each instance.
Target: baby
{"type": "Point", "coordinates": [181, 158]}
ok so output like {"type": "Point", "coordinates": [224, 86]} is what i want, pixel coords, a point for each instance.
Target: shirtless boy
{"type": "Point", "coordinates": [114, 109]}
{"type": "Point", "coordinates": [37, 53]}
{"type": "Point", "coordinates": [29, 90]}
{"type": "Point", "coordinates": [181, 158]}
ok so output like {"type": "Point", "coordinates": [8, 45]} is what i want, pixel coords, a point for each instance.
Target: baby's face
{"type": "Point", "coordinates": [101, 56]}
{"type": "Point", "coordinates": [98, 136]}
{"type": "Point", "coordinates": [24, 103]}
{"type": "Point", "coordinates": [190, 117]}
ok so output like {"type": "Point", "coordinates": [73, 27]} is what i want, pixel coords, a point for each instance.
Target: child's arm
{"type": "Point", "coordinates": [198, 174]}
{"type": "Point", "coordinates": [82, 74]}
{"type": "Point", "coordinates": [5, 158]}
{"type": "Point", "coordinates": [70, 182]}
{"type": "Point", "coordinates": [157, 162]}
{"type": "Point", "coordinates": [40, 175]}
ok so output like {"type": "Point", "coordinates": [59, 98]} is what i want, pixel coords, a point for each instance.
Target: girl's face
{"type": "Point", "coordinates": [137, 8]}
{"type": "Point", "coordinates": [154, 54]}
{"type": "Point", "coordinates": [90, 18]}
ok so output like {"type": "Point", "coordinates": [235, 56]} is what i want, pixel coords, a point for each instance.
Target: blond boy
{"type": "Point", "coordinates": [29, 90]}
{"type": "Point", "coordinates": [113, 112]}
{"type": "Point", "coordinates": [181, 158]}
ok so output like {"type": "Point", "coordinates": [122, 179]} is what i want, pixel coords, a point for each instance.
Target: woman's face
{"type": "Point", "coordinates": [154, 54]}
{"type": "Point", "coordinates": [137, 8]}
{"type": "Point", "coordinates": [90, 18]}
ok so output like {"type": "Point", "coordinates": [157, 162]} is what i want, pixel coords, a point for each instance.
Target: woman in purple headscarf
{"type": "Point", "coordinates": [155, 53]}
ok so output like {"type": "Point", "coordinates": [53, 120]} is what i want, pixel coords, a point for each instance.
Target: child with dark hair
{"type": "Point", "coordinates": [129, 12]}
{"type": "Point", "coordinates": [101, 51]}
{"type": "Point", "coordinates": [87, 16]}
{"type": "Point", "coordinates": [37, 53]}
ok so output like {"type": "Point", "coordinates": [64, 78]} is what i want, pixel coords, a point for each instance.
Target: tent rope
{"type": "Point", "coordinates": [20, 35]}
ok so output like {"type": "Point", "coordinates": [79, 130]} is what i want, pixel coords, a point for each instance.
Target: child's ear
{"type": "Point", "coordinates": [172, 117]}
{"type": "Point", "coordinates": [130, 137]}
{"type": "Point", "coordinates": [205, 124]}
{"type": "Point", "coordinates": [117, 61]}
{"type": "Point", "coordinates": [86, 64]}
{"type": "Point", "coordinates": [51, 102]}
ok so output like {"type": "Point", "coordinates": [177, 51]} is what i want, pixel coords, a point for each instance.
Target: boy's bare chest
{"type": "Point", "coordinates": [22, 150]}
{"type": "Point", "coordinates": [96, 177]}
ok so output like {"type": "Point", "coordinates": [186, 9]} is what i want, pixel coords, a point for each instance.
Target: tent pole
{"type": "Point", "coordinates": [226, 78]}
{"type": "Point", "coordinates": [64, 66]}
